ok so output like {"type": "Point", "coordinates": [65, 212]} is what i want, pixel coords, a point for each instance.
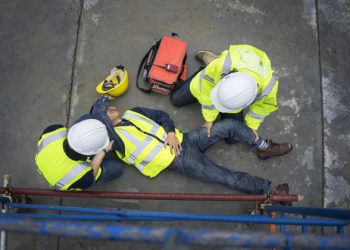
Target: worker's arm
{"type": "Point", "coordinates": [91, 176]}
{"type": "Point", "coordinates": [163, 119]}
{"type": "Point", "coordinates": [159, 116]}
{"type": "Point", "coordinates": [98, 158]}
{"type": "Point", "coordinates": [210, 113]}
{"type": "Point", "coordinates": [99, 111]}
{"type": "Point", "coordinates": [100, 105]}
{"type": "Point", "coordinates": [261, 108]}
{"type": "Point", "coordinates": [212, 75]}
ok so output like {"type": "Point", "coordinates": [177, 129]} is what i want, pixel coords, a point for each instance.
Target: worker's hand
{"type": "Point", "coordinates": [256, 134]}
{"type": "Point", "coordinates": [109, 147]}
{"type": "Point", "coordinates": [208, 126]}
{"type": "Point", "coordinates": [110, 98]}
{"type": "Point", "coordinates": [98, 158]}
{"type": "Point", "coordinates": [174, 144]}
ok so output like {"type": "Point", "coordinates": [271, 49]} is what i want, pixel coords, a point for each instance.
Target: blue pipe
{"type": "Point", "coordinates": [282, 227]}
{"type": "Point", "coordinates": [164, 216]}
{"type": "Point", "coordinates": [340, 230]}
{"type": "Point", "coordinates": [304, 228]}
{"type": "Point", "coordinates": [175, 216]}
{"type": "Point", "coordinates": [61, 208]}
{"type": "Point", "coordinates": [161, 234]}
{"type": "Point", "coordinates": [338, 213]}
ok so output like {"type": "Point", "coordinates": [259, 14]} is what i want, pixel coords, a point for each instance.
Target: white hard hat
{"type": "Point", "coordinates": [234, 92]}
{"type": "Point", "coordinates": [88, 137]}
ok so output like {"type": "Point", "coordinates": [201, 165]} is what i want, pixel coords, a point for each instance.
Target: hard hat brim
{"type": "Point", "coordinates": [119, 89]}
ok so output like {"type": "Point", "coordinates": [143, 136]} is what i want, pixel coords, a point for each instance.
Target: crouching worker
{"type": "Point", "coordinates": [147, 139]}
{"type": "Point", "coordinates": [241, 78]}
{"type": "Point", "coordinates": [76, 160]}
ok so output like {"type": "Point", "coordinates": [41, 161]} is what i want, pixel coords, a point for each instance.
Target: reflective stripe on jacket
{"type": "Point", "coordinates": [52, 162]}
{"type": "Point", "coordinates": [242, 58]}
{"type": "Point", "coordinates": [144, 144]}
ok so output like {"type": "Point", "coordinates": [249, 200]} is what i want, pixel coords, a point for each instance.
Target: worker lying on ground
{"type": "Point", "coordinates": [241, 77]}
{"type": "Point", "coordinates": [77, 160]}
{"type": "Point", "coordinates": [148, 139]}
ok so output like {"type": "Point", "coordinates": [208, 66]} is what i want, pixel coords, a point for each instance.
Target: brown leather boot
{"type": "Point", "coordinates": [274, 149]}
{"type": "Point", "coordinates": [205, 56]}
{"type": "Point", "coordinates": [281, 189]}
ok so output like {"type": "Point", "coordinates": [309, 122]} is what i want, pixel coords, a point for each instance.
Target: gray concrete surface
{"type": "Point", "coordinates": [54, 53]}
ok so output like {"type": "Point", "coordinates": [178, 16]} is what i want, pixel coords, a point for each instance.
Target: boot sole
{"type": "Point", "coordinates": [267, 157]}
{"type": "Point", "coordinates": [202, 51]}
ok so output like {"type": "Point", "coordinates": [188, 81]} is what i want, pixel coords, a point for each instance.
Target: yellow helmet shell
{"type": "Point", "coordinates": [120, 87]}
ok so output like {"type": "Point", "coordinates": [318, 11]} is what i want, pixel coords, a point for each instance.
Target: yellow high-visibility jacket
{"type": "Point", "coordinates": [238, 58]}
{"type": "Point", "coordinates": [54, 165]}
{"type": "Point", "coordinates": [144, 144]}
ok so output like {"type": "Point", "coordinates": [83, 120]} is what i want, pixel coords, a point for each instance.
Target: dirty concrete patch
{"type": "Point", "coordinates": [337, 191]}
{"type": "Point", "coordinates": [334, 30]}
{"type": "Point", "coordinates": [249, 9]}
{"type": "Point", "coordinates": [88, 4]}
{"type": "Point", "coordinates": [310, 14]}
{"type": "Point", "coordinates": [332, 101]}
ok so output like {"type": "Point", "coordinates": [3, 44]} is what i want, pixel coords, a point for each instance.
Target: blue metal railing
{"type": "Point", "coordinates": [84, 223]}
{"type": "Point", "coordinates": [337, 213]}
{"type": "Point", "coordinates": [131, 215]}
{"type": "Point", "coordinates": [183, 236]}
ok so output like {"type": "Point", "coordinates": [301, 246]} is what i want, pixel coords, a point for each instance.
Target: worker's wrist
{"type": "Point", "coordinates": [104, 150]}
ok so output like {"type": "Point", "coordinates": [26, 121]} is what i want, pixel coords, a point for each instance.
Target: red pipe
{"type": "Point", "coordinates": [150, 196]}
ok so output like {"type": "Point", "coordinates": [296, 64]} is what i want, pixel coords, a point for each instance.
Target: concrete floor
{"type": "Point", "coordinates": [54, 53]}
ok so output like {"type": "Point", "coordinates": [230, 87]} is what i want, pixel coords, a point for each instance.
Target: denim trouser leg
{"type": "Point", "coordinates": [223, 129]}
{"type": "Point", "coordinates": [234, 116]}
{"type": "Point", "coordinates": [183, 96]}
{"type": "Point", "coordinates": [194, 163]}
{"type": "Point", "coordinates": [111, 169]}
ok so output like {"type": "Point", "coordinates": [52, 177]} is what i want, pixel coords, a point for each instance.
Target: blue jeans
{"type": "Point", "coordinates": [193, 162]}
{"type": "Point", "coordinates": [111, 169]}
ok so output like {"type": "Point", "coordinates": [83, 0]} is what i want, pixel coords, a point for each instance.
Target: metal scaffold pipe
{"type": "Point", "coordinates": [152, 196]}
{"type": "Point", "coordinates": [161, 235]}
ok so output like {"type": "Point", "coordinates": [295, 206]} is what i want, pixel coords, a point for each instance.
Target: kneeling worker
{"type": "Point", "coordinates": [241, 78]}
{"type": "Point", "coordinates": [76, 160]}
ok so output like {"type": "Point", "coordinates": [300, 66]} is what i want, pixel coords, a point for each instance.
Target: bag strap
{"type": "Point", "coordinates": [154, 48]}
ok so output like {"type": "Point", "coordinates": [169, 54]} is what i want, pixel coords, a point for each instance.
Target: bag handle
{"type": "Point", "coordinates": [154, 48]}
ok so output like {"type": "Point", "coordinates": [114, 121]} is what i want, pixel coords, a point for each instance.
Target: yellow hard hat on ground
{"type": "Point", "coordinates": [114, 84]}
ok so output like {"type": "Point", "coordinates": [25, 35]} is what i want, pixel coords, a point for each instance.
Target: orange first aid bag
{"type": "Point", "coordinates": [164, 65]}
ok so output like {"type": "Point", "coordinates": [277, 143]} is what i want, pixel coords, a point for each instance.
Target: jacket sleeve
{"type": "Point", "coordinates": [261, 108]}
{"type": "Point", "coordinates": [100, 105]}
{"type": "Point", "coordinates": [99, 111]}
{"type": "Point", "coordinates": [50, 129]}
{"type": "Point", "coordinates": [159, 116]}
{"type": "Point", "coordinates": [84, 182]}
{"type": "Point", "coordinates": [208, 79]}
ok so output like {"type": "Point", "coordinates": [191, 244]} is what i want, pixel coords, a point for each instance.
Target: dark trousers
{"type": "Point", "coordinates": [193, 162]}
{"type": "Point", "coordinates": [182, 94]}
{"type": "Point", "coordinates": [111, 169]}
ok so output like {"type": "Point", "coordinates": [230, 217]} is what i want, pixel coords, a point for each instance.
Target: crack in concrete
{"type": "Point", "coordinates": [69, 98]}
{"type": "Point", "coordinates": [323, 186]}
{"type": "Point", "coordinates": [70, 93]}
